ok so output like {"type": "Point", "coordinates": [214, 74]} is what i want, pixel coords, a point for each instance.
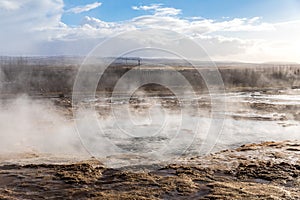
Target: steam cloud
{"type": "Point", "coordinates": [35, 125]}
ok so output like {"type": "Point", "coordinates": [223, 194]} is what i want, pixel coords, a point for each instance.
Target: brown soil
{"type": "Point", "coordinates": [270, 170]}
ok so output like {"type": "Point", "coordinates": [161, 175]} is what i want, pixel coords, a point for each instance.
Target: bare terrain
{"type": "Point", "coordinates": [270, 170]}
{"type": "Point", "coordinates": [256, 156]}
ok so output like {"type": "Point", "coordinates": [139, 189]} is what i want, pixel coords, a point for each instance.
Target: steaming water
{"type": "Point", "coordinates": [137, 134]}
{"type": "Point", "coordinates": [31, 126]}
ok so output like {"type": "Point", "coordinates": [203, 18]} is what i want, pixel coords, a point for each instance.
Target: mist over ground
{"type": "Point", "coordinates": [37, 113]}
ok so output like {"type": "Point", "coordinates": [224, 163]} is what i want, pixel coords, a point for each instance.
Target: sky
{"type": "Point", "coordinates": [229, 30]}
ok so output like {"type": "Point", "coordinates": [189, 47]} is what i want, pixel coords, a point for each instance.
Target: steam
{"type": "Point", "coordinates": [36, 125]}
{"type": "Point", "coordinates": [30, 124]}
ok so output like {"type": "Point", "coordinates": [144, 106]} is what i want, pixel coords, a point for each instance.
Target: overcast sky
{"type": "Point", "coordinates": [229, 30]}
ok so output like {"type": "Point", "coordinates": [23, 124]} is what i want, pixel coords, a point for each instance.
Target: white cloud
{"type": "Point", "coordinates": [46, 13]}
{"type": "Point", "coordinates": [20, 26]}
{"type": "Point", "coordinates": [9, 5]}
{"type": "Point", "coordinates": [151, 7]}
{"type": "Point", "coordinates": [24, 31]}
{"type": "Point", "coordinates": [85, 8]}
{"type": "Point", "coordinates": [254, 19]}
{"type": "Point", "coordinates": [159, 10]}
{"type": "Point", "coordinates": [201, 26]}
{"type": "Point", "coordinates": [97, 23]}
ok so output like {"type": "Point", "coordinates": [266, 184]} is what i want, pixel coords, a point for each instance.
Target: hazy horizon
{"type": "Point", "coordinates": [82, 57]}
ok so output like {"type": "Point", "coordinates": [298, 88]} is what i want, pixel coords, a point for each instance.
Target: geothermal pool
{"type": "Point", "coordinates": [146, 130]}
{"type": "Point", "coordinates": [149, 147]}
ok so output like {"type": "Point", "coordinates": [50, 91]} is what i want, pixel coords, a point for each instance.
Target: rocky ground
{"type": "Point", "coordinates": [269, 170]}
